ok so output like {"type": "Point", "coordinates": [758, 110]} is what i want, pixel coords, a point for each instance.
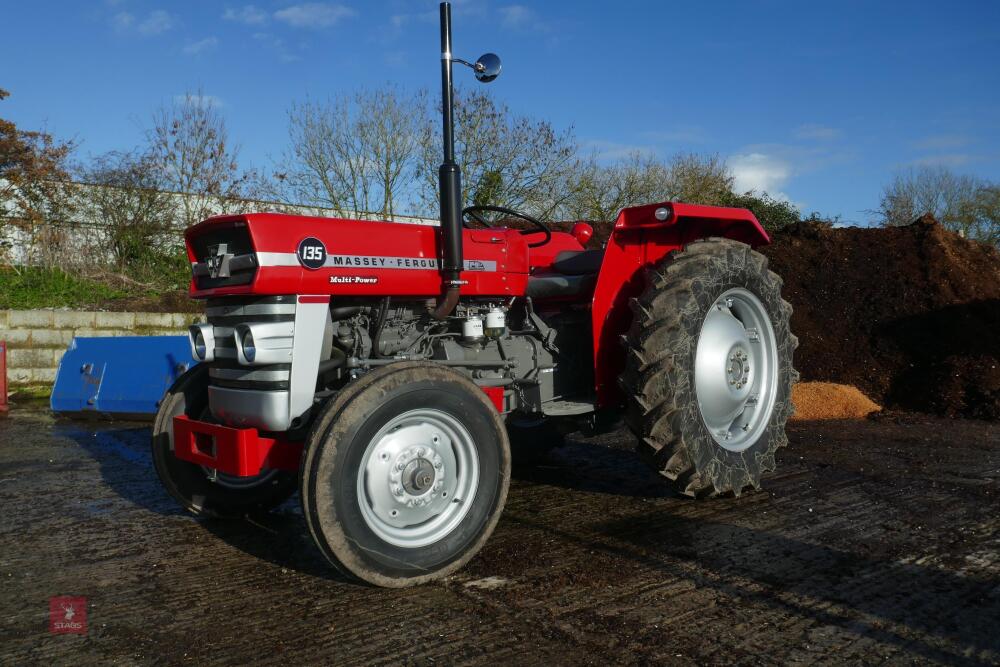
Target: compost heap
{"type": "Point", "coordinates": [909, 315]}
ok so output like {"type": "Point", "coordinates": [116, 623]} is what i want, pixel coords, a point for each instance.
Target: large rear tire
{"type": "Point", "coordinates": [405, 474]}
{"type": "Point", "coordinates": [189, 484]}
{"type": "Point", "coordinates": [709, 368]}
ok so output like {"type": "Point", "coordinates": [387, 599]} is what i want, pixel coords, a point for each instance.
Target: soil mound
{"type": "Point", "coordinates": [826, 400]}
{"type": "Point", "coordinates": [909, 315]}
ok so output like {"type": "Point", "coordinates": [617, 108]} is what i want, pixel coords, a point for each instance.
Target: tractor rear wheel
{"type": "Point", "coordinates": [709, 371]}
{"type": "Point", "coordinates": [197, 489]}
{"type": "Point", "coordinates": [405, 474]}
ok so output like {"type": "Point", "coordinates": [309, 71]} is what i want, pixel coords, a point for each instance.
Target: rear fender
{"type": "Point", "coordinates": [639, 240]}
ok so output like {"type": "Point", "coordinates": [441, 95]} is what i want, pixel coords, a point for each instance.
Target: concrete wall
{"type": "Point", "coordinates": [37, 339]}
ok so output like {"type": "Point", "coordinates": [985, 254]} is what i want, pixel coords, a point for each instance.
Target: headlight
{"type": "Point", "coordinates": [249, 350]}
{"type": "Point", "coordinates": [263, 343]}
{"type": "Point", "coordinates": [200, 348]}
{"type": "Point", "coordinates": [202, 340]}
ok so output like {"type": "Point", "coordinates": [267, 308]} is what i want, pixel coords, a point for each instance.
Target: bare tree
{"type": "Point", "coordinates": [190, 150]}
{"type": "Point", "coordinates": [962, 203]}
{"type": "Point", "coordinates": [352, 153]}
{"type": "Point", "coordinates": [125, 194]}
{"type": "Point", "coordinates": [506, 160]}
{"type": "Point", "coordinates": [599, 192]}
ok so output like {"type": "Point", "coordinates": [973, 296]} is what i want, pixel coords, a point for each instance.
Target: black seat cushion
{"type": "Point", "coordinates": [578, 262]}
{"type": "Point", "coordinates": [548, 285]}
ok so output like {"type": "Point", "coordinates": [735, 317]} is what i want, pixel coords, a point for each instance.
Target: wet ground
{"type": "Point", "coordinates": [876, 542]}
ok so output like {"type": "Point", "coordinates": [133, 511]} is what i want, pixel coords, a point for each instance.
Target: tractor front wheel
{"type": "Point", "coordinates": [709, 372]}
{"type": "Point", "coordinates": [405, 474]}
{"type": "Point", "coordinates": [199, 490]}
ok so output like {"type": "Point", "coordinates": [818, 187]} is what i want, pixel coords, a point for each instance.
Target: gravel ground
{"type": "Point", "coordinates": [877, 541]}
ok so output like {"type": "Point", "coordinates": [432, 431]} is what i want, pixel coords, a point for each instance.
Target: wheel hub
{"type": "Point", "coordinates": [736, 369]}
{"type": "Point", "coordinates": [418, 475]}
{"type": "Point", "coordinates": [418, 472]}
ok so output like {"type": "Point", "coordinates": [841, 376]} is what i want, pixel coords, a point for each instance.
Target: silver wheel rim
{"type": "Point", "coordinates": [418, 477]}
{"type": "Point", "coordinates": [736, 369]}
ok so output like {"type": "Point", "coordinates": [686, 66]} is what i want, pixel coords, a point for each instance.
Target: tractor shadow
{"type": "Point", "coordinates": [939, 614]}
{"type": "Point", "coordinates": [605, 464]}
{"type": "Point", "coordinates": [126, 467]}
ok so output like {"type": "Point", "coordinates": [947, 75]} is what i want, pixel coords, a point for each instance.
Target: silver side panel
{"type": "Point", "coordinates": [310, 325]}
{"type": "Point", "coordinates": [242, 408]}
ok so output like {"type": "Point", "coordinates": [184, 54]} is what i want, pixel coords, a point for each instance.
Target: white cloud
{"type": "Point", "coordinates": [277, 45]}
{"type": "Point", "coordinates": [122, 21]}
{"type": "Point", "coordinates": [516, 16]}
{"type": "Point", "coordinates": [815, 132]}
{"type": "Point", "coordinates": [313, 14]}
{"type": "Point", "coordinates": [944, 160]}
{"type": "Point", "coordinates": [199, 100]}
{"type": "Point", "coordinates": [686, 134]}
{"type": "Point", "coordinates": [940, 142]}
{"type": "Point", "coordinates": [156, 22]}
{"type": "Point", "coordinates": [248, 14]}
{"type": "Point", "coordinates": [760, 172]}
{"type": "Point", "coordinates": [194, 48]}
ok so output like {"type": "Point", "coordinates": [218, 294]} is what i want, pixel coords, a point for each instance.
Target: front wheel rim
{"type": "Point", "coordinates": [736, 369]}
{"type": "Point", "coordinates": [418, 478]}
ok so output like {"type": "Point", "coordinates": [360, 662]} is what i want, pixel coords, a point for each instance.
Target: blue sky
{"type": "Point", "coordinates": [818, 101]}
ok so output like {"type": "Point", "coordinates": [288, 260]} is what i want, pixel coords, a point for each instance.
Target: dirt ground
{"type": "Point", "coordinates": [876, 542]}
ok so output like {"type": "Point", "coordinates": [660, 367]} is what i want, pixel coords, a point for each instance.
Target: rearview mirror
{"type": "Point", "coordinates": [487, 67]}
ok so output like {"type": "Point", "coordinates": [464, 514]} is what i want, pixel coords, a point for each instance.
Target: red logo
{"type": "Point", "coordinates": [68, 615]}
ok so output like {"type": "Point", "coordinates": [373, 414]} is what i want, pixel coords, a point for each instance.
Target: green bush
{"type": "Point", "coordinates": [157, 271]}
{"type": "Point", "coordinates": [772, 213]}
{"type": "Point", "coordinates": [37, 287]}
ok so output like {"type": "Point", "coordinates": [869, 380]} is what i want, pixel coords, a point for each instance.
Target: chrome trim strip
{"type": "Point", "coordinates": [242, 375]}
{"type": "Point", "coordinates": [251, 309]}
{"type": "Point", "coordinates": [371, 262]}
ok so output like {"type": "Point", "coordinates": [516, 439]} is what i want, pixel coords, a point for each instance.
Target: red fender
{"type": "Point", "coordinates": [639, 240]}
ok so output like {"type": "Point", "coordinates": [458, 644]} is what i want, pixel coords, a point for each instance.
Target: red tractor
{"type": "Point", "coordinates": [383, 369]}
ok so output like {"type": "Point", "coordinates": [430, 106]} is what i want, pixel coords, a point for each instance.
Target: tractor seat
{"type": "Point", "coordinates": [573, 273]}
{"type": "Point", "coordinates": [578, 262]}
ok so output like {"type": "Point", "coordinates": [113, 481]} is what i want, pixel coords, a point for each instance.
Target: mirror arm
{"type": "Point", "coordinates": [467, 64]}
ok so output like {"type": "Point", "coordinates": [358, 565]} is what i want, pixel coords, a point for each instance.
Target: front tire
{"type": "Point", "coordinates": [709, 371]}
{"type": "Point", "coordinates": [189, 484]}
{"type": "Point", "coordinates": [405, 474]}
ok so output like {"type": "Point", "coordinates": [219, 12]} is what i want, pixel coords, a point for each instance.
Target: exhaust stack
{"type": "Point", "coordinates": [449, 180]}
{"type": "Point", "coordinates": [487, 68]}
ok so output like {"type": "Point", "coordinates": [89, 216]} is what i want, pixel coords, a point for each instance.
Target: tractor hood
{"type": "Point", "coordinates": [270, 253]}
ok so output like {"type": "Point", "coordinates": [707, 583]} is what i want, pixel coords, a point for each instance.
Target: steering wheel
{"type": "Point", "coordinates": [474, 211]}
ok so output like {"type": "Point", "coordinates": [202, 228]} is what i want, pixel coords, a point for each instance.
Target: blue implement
{"type": "Point", "coordinates": [124, 375]}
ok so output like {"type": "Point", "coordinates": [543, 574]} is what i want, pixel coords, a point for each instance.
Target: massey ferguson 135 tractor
{"type": "Point", "coordinates": [382, 369]}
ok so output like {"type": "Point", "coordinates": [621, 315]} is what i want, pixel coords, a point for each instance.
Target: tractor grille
{"type": "Point", "coordinates": [225, 256]}
{"type": "Point", "coordinates": [224, 314]}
